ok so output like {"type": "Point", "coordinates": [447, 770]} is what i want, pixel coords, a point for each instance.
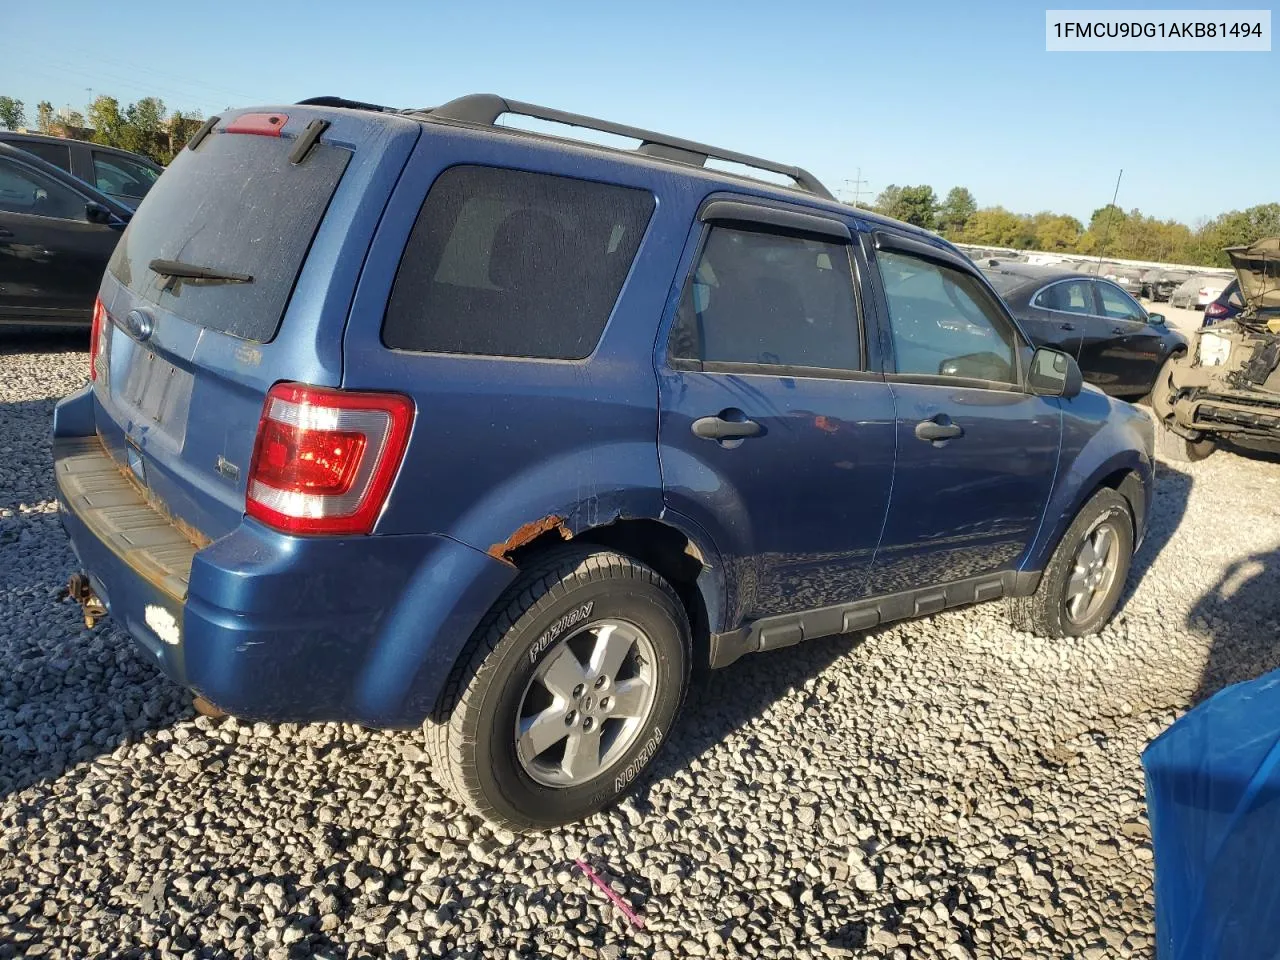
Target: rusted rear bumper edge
{"type": "Point", "coordinates": [271, 627]}
{"type": "Point", "coordinates": [116, 513]}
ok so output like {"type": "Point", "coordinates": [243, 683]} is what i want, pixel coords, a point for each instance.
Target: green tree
{"type": "Point", "coordinates": [12, 113]}
{"type": "Point", "coordinates": [147, 115]}
{"type": "Point", "coordinates": [45, 117]}
{"type": "Point", "coordinates": [1240, 227]}
{"type": "Point", "coordinates": [997, 227]}
{"type": "Point", "coordinates": [890, 198]}
{"type": "Point", "coordinates": [107, 121]}
{"type": "Point", "coordinates": [917, 205]}
{"type": "Point", "coordinates": [1055, 231]}
{"type": "Point", "coordinates": [955, 211]}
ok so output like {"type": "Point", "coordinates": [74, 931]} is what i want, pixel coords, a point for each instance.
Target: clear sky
{"type": "Point", "coordinates": [944, 93]}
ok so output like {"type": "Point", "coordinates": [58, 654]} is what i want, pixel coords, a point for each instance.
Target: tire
{"type": "Point", "coordinates": [559, 607]}
{"type": "Point", "coordinates": [1047, 612]}
{"type": "Point", "coordinates": [1169, 445]}
{"type": "Point", "coordinates": [1177, 448]}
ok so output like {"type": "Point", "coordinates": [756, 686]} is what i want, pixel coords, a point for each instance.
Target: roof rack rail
{"type": "Point", "coordinates": [485, 108]}
{"type": "Point", "coordinates": [344, 103]}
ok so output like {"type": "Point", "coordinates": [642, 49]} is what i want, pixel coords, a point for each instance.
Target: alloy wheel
{"type": "Point", "coordinates": [588, 702]}
{"type": "Point", "coordinates": [1093, 573]}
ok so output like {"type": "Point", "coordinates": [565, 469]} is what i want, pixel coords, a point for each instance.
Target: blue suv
{"type": "Point", "coordinates": [406, 418]}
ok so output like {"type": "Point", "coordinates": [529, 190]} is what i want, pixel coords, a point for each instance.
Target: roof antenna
{"type": "Point", "coordinates": [1102, 247]}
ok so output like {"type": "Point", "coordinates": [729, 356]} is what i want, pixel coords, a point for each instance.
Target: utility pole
{"type": "Point", "coordinates": [857, 184]}
{"type": "Point", "coordinates": [1106, 232]}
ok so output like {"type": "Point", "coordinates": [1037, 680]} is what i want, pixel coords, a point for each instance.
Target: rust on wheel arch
{"type": "Point", "coordinates": [526, 533]}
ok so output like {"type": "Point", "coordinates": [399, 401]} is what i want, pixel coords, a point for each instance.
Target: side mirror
{"type": "Point", "coordinates": [97, 213]}
{"type": "Point", "coordinates": [1155, 319]}
{"type": "Point", "coordinates": [1054, 374]}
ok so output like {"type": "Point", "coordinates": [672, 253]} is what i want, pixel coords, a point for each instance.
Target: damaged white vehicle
{"type": "Point", "coordinates": [1227, 384]}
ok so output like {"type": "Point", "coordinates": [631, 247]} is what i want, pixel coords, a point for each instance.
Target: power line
{"type": "Point", "coordinates": [857, 183]}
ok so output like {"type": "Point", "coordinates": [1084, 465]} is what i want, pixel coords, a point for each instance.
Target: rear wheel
{"type": "Point", "coordinates": [565, 692]}
{"type": "Point", "coordinates": [1082, 584]}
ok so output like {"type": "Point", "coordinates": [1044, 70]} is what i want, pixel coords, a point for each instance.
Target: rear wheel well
{"type": "Point", "coordinates": [664, 548]}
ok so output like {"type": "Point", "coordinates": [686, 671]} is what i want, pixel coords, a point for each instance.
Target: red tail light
{"type": "Point", "coordinates": [98, 342]}
{"type": "Point", "coordinates": [324, 460]}
{"type": "Point", "coordinates": [1204, 291]}
{"type": "Point", "coordinates": [1215, 310]}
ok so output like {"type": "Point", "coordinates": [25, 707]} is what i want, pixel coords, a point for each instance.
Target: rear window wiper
{"type": "Point", "coordinates": [192, 271]}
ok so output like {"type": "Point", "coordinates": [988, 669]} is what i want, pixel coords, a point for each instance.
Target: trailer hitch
{"type": "Point", "coordinates": [80, 590]}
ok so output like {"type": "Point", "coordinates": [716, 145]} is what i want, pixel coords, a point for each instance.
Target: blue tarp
{"type": "Point", "coordinates": [1213, 798]}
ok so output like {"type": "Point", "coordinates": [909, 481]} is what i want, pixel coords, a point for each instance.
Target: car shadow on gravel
{"type": "Point", "coordinates": [67, 694]}
{"type": "Point", "coordinates": [1240, 613]}
{"type": "Point", "coordinates": [1173, 491]}
{"type": "Point", "coordinates": [722, 701]}
{"type": "Point", "coordinates": [34, 339]}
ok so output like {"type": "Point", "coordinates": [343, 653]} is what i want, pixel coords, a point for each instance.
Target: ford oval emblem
{"type": "Point", "coordinates": [138, 324]}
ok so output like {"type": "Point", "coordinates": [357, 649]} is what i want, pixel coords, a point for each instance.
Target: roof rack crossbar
{"type": "Point", "coordinates": [485, 108]}
{"type": "Point", "coordinates": [344, 103]}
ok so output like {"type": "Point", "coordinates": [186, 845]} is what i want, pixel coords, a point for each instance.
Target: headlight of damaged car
{"type": "Point", "coordinates": [1214, 350]}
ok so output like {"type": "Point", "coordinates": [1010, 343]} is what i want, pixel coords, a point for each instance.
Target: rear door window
{"type": "Point", "coordinates": [235, 205]}
{"type": "Point", "coordinates": [514, 264]}
{"type": "Point", "coordinates": [59, 154]}
{"type": "Point", "coordinates": [23, 190]}
{"type": "Point", "coordinates": [766, 298]}
{"type": "Point", "coordinates": [122, 177]}
{"type": "Point", "coordinates": [1069, 296]}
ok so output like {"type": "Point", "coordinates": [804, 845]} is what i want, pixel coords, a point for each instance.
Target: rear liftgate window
{"type": "Point", "coordinates": [237, 206]}
{"type": "Point", "coordinates": [514, 264]}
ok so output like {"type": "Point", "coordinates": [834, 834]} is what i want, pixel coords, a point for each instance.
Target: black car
{"type": "Point", "coordinates": [125, 177]}
{"type": "Point", "coordinates": [1119, 346]}
{"type": "Point", "coordinates": [56, 235]}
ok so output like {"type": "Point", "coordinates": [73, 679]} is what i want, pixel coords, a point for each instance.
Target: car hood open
{"type": "Point", "coordinates": [1258, 267]}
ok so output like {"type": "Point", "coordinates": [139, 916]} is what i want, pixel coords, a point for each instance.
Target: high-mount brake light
{"type": "Point", "coordinates": [262, 124]}
{"type": "Point", "coordinates": [324, 459]}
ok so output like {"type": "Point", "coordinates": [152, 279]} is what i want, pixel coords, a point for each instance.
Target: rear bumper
{"type": "Point", "coordinates": [270, 627]}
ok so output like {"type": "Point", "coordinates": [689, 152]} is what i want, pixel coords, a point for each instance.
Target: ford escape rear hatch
{"type": "Point", "coordinates": [193, 331]}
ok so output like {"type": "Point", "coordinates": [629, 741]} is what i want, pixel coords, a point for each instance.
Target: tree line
{"type": "Point", "coordinates": [1111, 231]}
{"type": "Point", "coordinates": [146, 127]}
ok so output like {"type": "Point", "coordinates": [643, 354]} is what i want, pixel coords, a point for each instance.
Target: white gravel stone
{"type": "Point", "coordinates": [947, 787]}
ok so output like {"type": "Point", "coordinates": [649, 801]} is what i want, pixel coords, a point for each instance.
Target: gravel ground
{"type": "Point", "coordinates": [946, 788]}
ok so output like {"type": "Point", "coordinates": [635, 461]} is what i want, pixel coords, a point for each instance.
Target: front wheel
{"type": "Point", "coordinates": [1082, 584]}
{"type": "Point", "coordinates": [566, 691]}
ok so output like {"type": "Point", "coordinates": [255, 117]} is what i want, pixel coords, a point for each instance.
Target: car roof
{"type": "Point", "coordinates": [14, 136]}
{"type": "Point", "coordinates": [477, 112]}
{"type": "Point", "coordinates": [1036, 272]}
{"type": "Point", "coordinates": [57, 173]}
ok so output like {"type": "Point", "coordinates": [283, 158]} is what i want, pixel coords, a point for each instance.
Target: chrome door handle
{"type": "Point", "coordinates": [939, 428]}
{"type": "Point", "coordinates": [718, 428]}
